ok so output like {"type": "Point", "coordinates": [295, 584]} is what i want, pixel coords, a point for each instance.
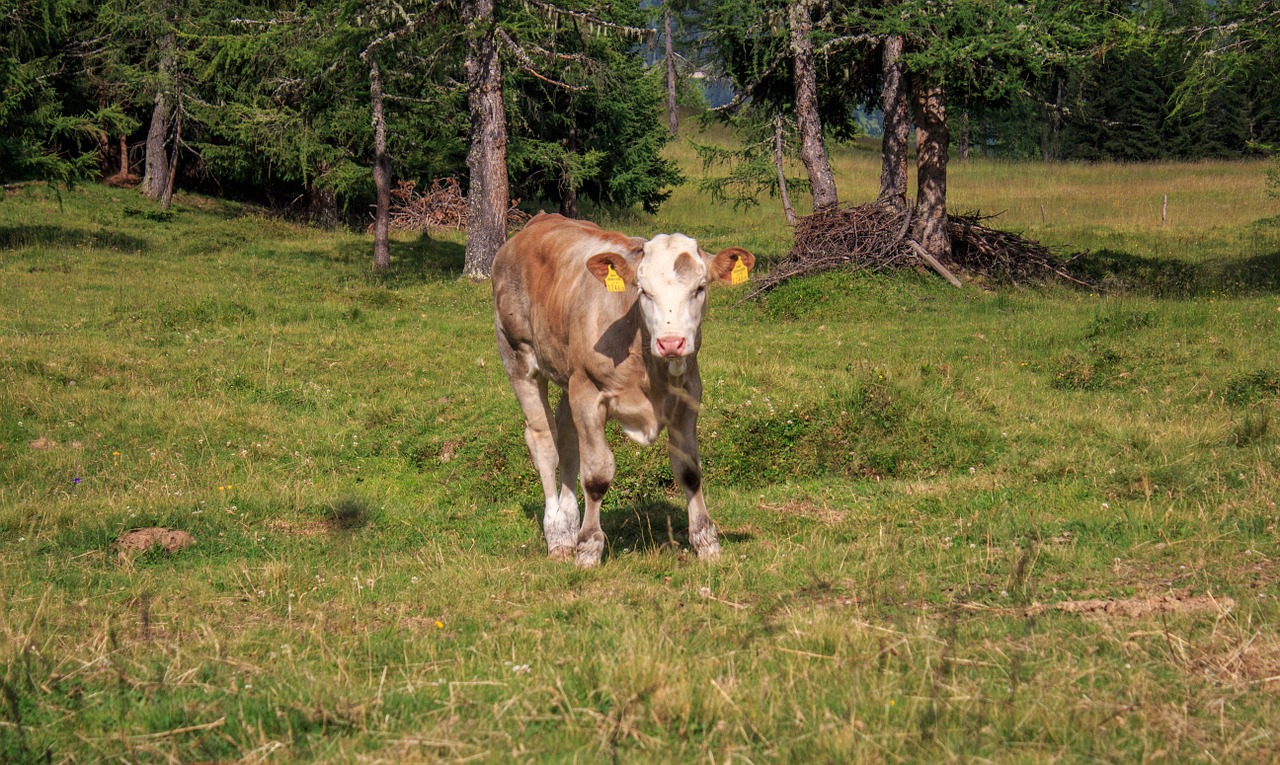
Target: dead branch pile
{"type": "Point", "coordinates": [441, 206]}
{"type": "Point", "coordinates": [1001, 256]}
{"type": "Point", "coordinates": [122, 180]}
{"type": "Point", "coordinates": [876, 237]}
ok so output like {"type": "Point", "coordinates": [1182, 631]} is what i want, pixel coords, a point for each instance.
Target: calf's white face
{"type": "Point", "coordinates": [672, 279]}
{"type": "Point", "coordinates": [672, 274]}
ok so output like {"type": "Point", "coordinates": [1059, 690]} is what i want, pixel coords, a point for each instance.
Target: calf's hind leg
{"type": "Point", "coordinates": [597, 466]}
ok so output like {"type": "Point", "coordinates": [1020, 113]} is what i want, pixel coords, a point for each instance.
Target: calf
{"type": "Point", "coordinates": [616, 322]}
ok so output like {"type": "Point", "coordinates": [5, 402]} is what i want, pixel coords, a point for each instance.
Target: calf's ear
{"type": "Point", "coordinates": [600, 265]}
{"type": "Point", "coordinates": [731, 265]}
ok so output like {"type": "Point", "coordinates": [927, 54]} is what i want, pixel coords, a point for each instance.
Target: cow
{"type": "Point", "coordinates": [616, 322]}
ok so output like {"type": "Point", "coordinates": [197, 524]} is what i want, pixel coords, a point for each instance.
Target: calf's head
{"type": "Point", "coordinates": [671, 274]}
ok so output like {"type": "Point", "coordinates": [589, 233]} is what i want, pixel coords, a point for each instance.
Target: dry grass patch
{"type": "Point", "coordinates": [1140, 607]}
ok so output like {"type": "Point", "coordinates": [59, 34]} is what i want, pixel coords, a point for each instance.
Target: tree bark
{"type": "Point", "coordinates": [673, 117]}
{"type": "Point", "coordinates": [124, 155]}
{"type": "Point", "coordinates": [104, 153]}
{"type": "Point", "coordinates": [897, 127]}
{"type": "Point", "coordinates": [932, 141]}
{"type": "Point", "coordinates": [1051, 131]}
{"type": "Point", "coordinates": [1056, 144]}
{"type": "Point", "coordinates": [166, 197]}
{"type": "Point", "coordinates": [813, 151]}
{"type": "Point", "coordinates": [381, 172]}
{"type": "Point", "coordinates": [322, 204]}
{"type": "Point", "coordinates": [155, 177]}
{"type": "Point", "coordinates": [488, 195]}
{"type": "Point", "coordinates": [568, 184]}
{"type": "Point", "coordinates": [778, 153]}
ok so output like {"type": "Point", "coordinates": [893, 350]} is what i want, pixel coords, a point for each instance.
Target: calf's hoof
{"type": "Point", "coordinates": [590, 550]}
{"type": "Point", "coordinates": [705, 542]}
{"type": "Point", "coordinates": [561, 552]}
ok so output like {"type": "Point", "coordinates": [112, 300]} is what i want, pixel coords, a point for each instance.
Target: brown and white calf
{"type": "Point", "coordinates": [616, 322]}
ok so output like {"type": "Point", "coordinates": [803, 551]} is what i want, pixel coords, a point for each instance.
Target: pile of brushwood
{"type": "Point", "coordinates": [877, 237]}
{"type": "Point", "coordinates": [441, 206]}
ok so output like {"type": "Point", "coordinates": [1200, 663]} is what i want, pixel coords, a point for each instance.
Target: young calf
{"type": "Point", "coordinates": [615, 321]}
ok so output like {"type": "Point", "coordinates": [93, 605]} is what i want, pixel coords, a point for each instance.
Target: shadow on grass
{"type": "Point", "coordinates": [1162, 277]}
{"type": "Point", "coordinates": [1261, 272]}
{"type": "Point", "coordinates": [17, 237]}
{"type": "Point", "coordinates": [648, 526]}
{"type": "Point", "coordinates": [421, 261]}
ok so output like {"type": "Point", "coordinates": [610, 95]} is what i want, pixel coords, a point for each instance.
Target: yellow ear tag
{"type": "Point", "coordinates": [739, 273]}
{"type": "Point", "coordinates": [613, 282]}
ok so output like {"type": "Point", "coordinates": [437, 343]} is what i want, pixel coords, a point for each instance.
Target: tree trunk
{"type": "Point", "coordinates": [813, 151]}
{"type": "Point", "coordinates": [963, 143]}
{"type": "Point", "coordinates": [931, 167]}
{"type": "Point", "coordinates": [1056, 143]}
{"type": "Point", "coordinates": [104, 153]}
{"type": "Point", "coordinates": [569, 184]}
{"type": "Point", "coordinates": [155, 178]}
{"type": "Point", "coordinates": [322, 202]}
{"type": "Point", "coordinates": [1051, 133]}
{"type": "Point", "coordinates": [488, 196]}
{"type": "Point", "coordinates": [124, 155]}
{"type": "Point", "coordinates": [166, 197]}
{"type": "Point", "coordinates": [673, 117]}
{"type": "Point", "coordinates": [778, 153]}
{"type": "Point", "coordinates": [897, 127]}
{"type": "Point", "coordinates": [381, 173]}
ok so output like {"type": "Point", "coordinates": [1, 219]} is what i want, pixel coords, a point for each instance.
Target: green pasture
{"type": "Point", "coordinates": [1027, 523]}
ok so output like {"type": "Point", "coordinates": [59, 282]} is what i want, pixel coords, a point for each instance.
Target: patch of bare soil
{"type": "Point", "coordinates": [820, 513]}
{"type": "Point", "coordinates": [43, 444]}
{"type": "Point", "coordinates": [1136, 608]}
{"type": "Point", "coordinates": [122, 180]}
{"type": "Point", "coordinates": [299, 528]}
{"type": "Point", "coordinates": [139, 541]}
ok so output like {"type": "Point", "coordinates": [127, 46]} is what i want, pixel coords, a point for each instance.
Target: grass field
{"type": "Point", "coordinates": [1033, 524]}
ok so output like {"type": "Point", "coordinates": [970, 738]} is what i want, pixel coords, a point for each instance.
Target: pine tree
{"type": "Point", "coordinates": [41, 126]}
{"type": "Point", "coordinates": [785, 58]}
{"type": "Point", "coordinates": [969, 51]}
{"type": "Point", "coordinates": [591, 132]}
{"type": "Point", "coordinates": [757, 166]}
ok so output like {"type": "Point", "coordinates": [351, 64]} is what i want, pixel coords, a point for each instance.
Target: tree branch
{"type": "Point", "coordinates": [527, 64]}
{"type": "Point", "coordinates": [742, 95]}
{"type": "Point", "coordinates": [590, 20]}
{"type": "Point", "coordinates": [831, 45]}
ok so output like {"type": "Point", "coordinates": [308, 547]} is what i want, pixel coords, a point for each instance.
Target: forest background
{"type": "Point", "coordinates": [320, 109]}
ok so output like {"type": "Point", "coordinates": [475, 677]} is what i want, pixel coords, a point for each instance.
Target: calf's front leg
{"type": "Point", "coordinates": [563, 543]}
{"type": "Point", "coordinates": [682, 448]}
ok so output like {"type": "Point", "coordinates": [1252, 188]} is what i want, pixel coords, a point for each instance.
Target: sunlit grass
{"type": "Point", "coordinates": [908, 478]}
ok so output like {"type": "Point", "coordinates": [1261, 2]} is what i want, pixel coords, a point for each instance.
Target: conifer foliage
{"type": "Point", "coordinates": [322, 107]}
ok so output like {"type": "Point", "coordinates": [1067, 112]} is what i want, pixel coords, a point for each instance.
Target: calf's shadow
{"type": "Point", "coordinates": [647, 526]}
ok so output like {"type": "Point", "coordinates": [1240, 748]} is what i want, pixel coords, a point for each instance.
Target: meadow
{"type": "Point", "coordinates": [1029, 523]}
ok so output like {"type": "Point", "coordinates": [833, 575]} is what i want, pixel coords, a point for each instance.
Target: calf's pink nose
{"type": "Point", "coordinates": [671, 346]}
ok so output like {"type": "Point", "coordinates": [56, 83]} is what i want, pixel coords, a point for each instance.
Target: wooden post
{"type": "Point", "coordinates": [1042, 214]}
{"type": "Point", "coordinates": [1164, 211]}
